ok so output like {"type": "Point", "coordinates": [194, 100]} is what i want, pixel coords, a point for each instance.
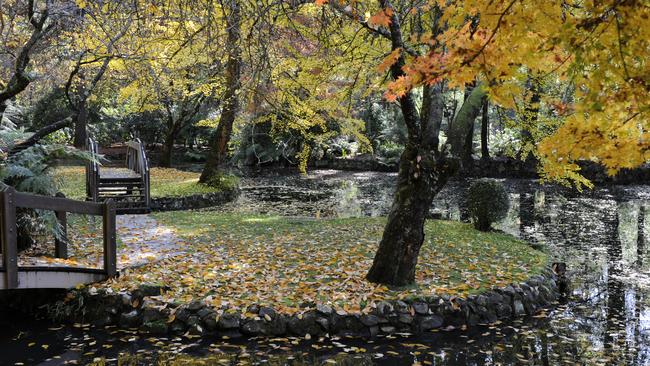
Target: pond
{"type": "Point", "coordinates": [602, 235]}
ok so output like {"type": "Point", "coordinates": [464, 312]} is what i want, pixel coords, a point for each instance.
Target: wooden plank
{"type": "Point", "coordinates": [104, 181]}
{"type": "Point", "coordinates": [61, 245]}
{"type": "Point", "coordinates": [54, 279]}
{"type": "Point", "coordinates": [8, 237]}
{"type": "Point", "coordinates": [110, 247]}
{"type": "Point", "coordinates": [57, 204]}
{"type": "Point", "coordinates": [60, 269]}
{"type": "Point", "coordinates": [117, 173]}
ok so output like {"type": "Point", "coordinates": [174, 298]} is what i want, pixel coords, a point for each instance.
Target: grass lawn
{"type": "Point", "coordinates": [165, 182]}
{"type": "Point", "coordinates": [284, 262]}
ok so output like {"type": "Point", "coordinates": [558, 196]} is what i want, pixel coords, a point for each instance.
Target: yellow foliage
{"type": "Point", "coordinates": [602, 48]}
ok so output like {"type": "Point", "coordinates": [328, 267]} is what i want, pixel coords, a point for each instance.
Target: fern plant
{"type": "Point", "coordinates": [29, 171]}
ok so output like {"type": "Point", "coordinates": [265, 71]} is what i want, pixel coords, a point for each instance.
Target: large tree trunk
{"type": "Point", "coordinates": [421, 177]}
{"type": "Point", "coordinates": [485, 130]}
{"type": "Point", "coordinates": [422, 174]}
{"type": "Point", "coordinates": [221, 137]}
{"type": "Point", "coordinates": [81, 125]}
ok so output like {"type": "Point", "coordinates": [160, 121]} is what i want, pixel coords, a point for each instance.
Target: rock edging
{"type": "Point", "coordinates": [194, 201]}
{"type": "Point", "coordinates": [143, 309]}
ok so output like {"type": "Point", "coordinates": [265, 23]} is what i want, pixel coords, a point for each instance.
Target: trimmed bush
{"type": "Point", "coordinates": [223, 181]}
{"type": "Point", "coordinates": [488, 202]}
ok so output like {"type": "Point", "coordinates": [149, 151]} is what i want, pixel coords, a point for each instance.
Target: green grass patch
{"type": "Point", "coordinates": [165, 182]}
{"type": "Point", "coordinates": [243, 259]}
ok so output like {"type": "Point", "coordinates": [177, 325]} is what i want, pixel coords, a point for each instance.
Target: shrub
{"type": "Point", "coordinates": [224, 182]}
{"type": "Point", "coordinates": [488, 202]}
{"type": "Point", "coordinates": [390, 152]}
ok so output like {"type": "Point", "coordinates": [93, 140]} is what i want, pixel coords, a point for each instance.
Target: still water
{"type": "Point", "coordinates": [603, 236]}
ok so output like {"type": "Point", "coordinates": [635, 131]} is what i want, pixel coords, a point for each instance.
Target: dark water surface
{"type": "Point", "coordinates": [603, 236]}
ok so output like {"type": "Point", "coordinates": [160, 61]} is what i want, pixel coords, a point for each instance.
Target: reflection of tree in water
{"type": "Point", "coordinates": [642, 234]}
{"type": "Point", "coordinates": [596, 236]}
{"type": "Point", "coordinates": [623, 337]}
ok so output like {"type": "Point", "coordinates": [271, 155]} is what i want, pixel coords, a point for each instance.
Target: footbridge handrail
{"type": "Point", "coordinates": [136, 160]}
{"type": "Point", "coordinates": [92, 171]}
{"type": "Point", "coordinates": [10, 200]}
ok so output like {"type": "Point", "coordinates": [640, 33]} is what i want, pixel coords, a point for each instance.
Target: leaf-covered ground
{"type": "Point", "coordinates": [140, 239]}
{"type": "Point", "coordinates": [165, 182]}
{"type": "Point", "coordinates": [284, 262]}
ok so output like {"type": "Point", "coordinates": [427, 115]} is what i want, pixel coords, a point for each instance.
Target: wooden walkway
{"type": "Point", "coordinates": [128, 187]}
{"type": "Point", "coordinates": [141, 240]}
{"type": "Point", "coordinates": [110, 191]}
{"type": "Point", "coordinates": [14, 276]}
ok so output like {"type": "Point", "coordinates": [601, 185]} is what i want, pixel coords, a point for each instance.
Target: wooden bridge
{"type": "Point", "coordinates": [14, 276]}
{"type": "Point", "coordinates": [127, 186]}
{"type": "Point", "coordinates": [109, 191]}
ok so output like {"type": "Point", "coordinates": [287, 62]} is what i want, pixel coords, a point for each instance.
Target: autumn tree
{"type": "Point", "coordinates": [101, 34]}
{"type": "Point", "coordinates": [599, 48]}
{"type": "Point", "coordinates": [220, 138]}
{"type": "Point", "coordinates": [596, 46]}
{"type": "Point", "coordinates": [177, 76]}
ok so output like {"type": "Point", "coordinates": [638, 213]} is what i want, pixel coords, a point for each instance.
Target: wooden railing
{"type": "Point", "coordinates": [136, 160]}
{"type": "Point", "coordinates": [92, 172]}
{"type": "Point", "coordinates": [10, 200]}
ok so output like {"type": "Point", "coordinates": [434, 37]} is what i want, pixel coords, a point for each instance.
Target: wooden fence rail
{"type": "Point", "coordinates": [10, 200]}
{"type": "Point", "coordinates": [136, 160]}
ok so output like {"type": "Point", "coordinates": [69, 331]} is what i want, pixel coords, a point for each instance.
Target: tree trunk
{"type": "Point", "coordinates": [485, 130]}
{"type": "Point", "coordinates": [432, 113]}
{"type": "Point", "coordinates": [464, 121]}
{"type": "Point", "coordinates": [38, 135]}
{"type": "Point", "coordinates": [421, 177]}
{"type": "Point", "coordinates": [19, 78]}
{"type": "Point", "coordinates": [168, 150]}
{"type": "Point", "coordinates": [468, 148]}
{"type": "Point", "coordinates": [221, 137]}
{"type": "Point", "coordinates": [80, 126]}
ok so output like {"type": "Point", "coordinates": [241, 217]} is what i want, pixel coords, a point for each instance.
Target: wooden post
{"type": "Point", "coordinates": [61, 245]}
{"type": "Point", "coordinates": [8, 236]}
{"type": "Point", "coordinates": [110, 247]}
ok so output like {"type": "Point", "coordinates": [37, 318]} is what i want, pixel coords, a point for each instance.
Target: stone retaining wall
{"type": "Point", "coordinates": [144, 310]}
{"type": "Point", "coordinates": [193, 201]}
